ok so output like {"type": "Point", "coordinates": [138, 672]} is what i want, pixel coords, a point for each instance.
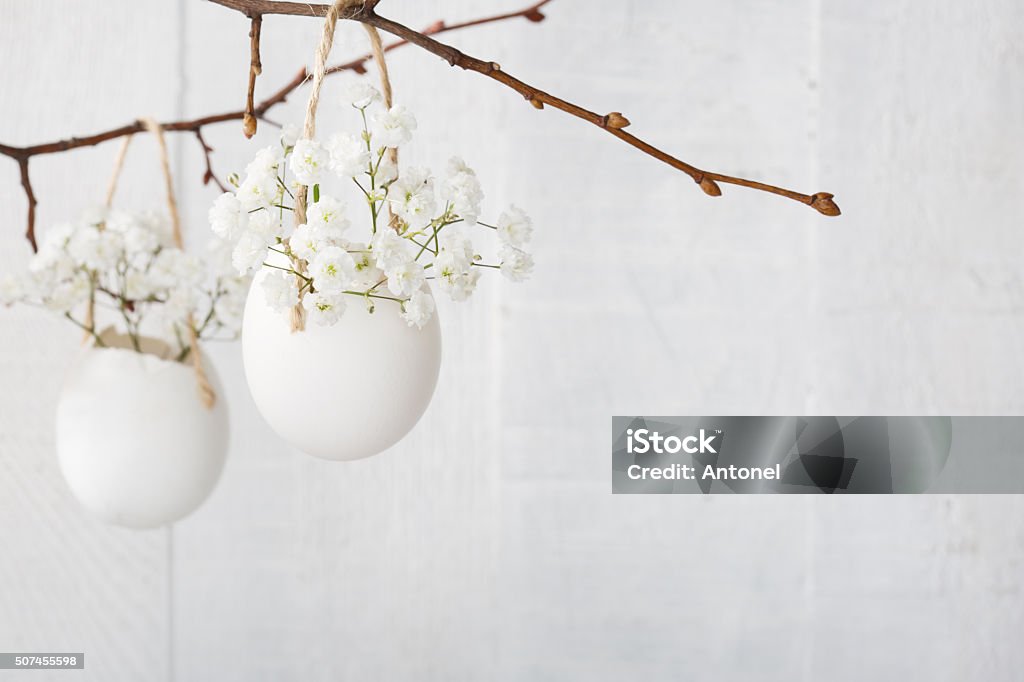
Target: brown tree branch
{"type": "Point", "coordinates": [614, 122]}
{"type": "Point", "coordinates": [21, 155]}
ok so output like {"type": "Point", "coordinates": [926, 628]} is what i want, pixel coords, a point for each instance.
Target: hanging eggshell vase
{"type": "Point", "coordinates": [345, 391]}
{"type": "Point", "coordinates": [135, 443]}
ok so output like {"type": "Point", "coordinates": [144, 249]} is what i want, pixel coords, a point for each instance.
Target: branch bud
{"type": "Point", "coordinates": [823, 204]}
{"type": "Point", "coordinates": [249, 125]}
{"type": "Point", "coordinates": [534, 15]}
{"type": "Point", "coordinates": [537, 104]}
{"type": "Point", "coordinates": [710, 187]}
{"type": "Point", "coordinates": [616, 120]}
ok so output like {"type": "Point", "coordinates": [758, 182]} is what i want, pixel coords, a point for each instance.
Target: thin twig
{"type": "Point", "coordinates": [209, 175]}
{"type": "Point", "coordinates": [21, 155]}
{"type": "Point", "coordinates": [613, 122]}
{"type": "Point", "coordinates": [26, 183]}
{"type": "Point", "coordinates": [255, 68]}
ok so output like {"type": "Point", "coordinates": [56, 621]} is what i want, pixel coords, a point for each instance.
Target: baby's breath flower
{"type": "Point", "coordinates": [349, 156]}
{"type": "Point", "coordinates": [328, 214]}
{"type": "Point", "coordinates": [418, 310]}
{"type": "Point", "coordinates": [227, 218]}
{"type": "Point", "coordinates": [514, 226]}
{"type": "Point", "coordinates": [460, 286]}
{"type": "Point", "coordinates": [281, 290]}
{"type": "Point", "coordinates": [249, 253]}
{"type": "Point", "coordinates": [462, 190]}
{"type": "Point", "coordinates": [406, 278]}
{"type": "Point", "coordinates": [393, 127]}
{"type": "Point", "coordinates": [359, 94]}
{"type": "Point", "coordinates": [389, 249]}
{"type": "Point", "coordinates": [309, 161]}
{"type": "Point", "coordinates": [367, 274]}
{"type": "Point", "coordinates": [324, 309]}
{"type": "Point", "coordinates": [516, 265]}
{"type": "Point", "coordinates": [412, 197]}
{"type": "Point", "coordinates": [96, 249]}
{"type": "Point", "coordinates": [289, 135]}
{"type": "Point", "coordinates": [258, 190]}
{"type": "Point", "coordinates": [332, 270]}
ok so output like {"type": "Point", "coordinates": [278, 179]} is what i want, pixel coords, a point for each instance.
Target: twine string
{"type": "Point", "coordinates": [206, 393]}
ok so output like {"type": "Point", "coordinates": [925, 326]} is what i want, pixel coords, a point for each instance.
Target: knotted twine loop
{"type": "Point", "coordinates": [206, 393]}
{"type": "Point", "coordinates": [323, 50]}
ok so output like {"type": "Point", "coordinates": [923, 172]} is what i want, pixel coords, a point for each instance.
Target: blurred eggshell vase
{"type": "Point", "coordinates": [135, 443]}
{"type": "Point", "coordinates": [345, 391]}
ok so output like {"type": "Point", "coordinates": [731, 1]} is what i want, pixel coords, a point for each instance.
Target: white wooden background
{"type": "Point", "coordinates": [487, 546]}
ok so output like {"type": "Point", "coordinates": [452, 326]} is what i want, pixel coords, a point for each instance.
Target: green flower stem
{"type": "Point", "coordinates": [289, 271]}
{"type": "Point", "coordinates": [367, 294]}
{"type": "Point", "coordinates": [89, 330]}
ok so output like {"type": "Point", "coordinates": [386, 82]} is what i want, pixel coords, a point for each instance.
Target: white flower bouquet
{"type": "Point", "coordinates": [417, 229]}
{"type": "Point", "coordinates": [122, 269]}
{"type": "Point", "coordinates": [341, 302]}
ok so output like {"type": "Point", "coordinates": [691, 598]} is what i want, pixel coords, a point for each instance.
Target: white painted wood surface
{"type": "Point", "coordinates": [488, 546]}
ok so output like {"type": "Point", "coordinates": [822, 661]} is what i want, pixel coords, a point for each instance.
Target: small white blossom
{"type": "Point", "coordinates": [367, 274]}
{"type": "Point", "coordinates": [249, 253]}
{"type": "Point", "coordinates": [514, 227]}
{"type": "Point", "coordinates": [139, 285]}
{"type": "Point", "coordinates": [406, 278]}
{"type": "Point", "coordinates": [418, 310]}
{"type": "Point", "coordinates": [460, 286]}
{"type": "Point", "coordinates": [139, 243]}
{"type": "Point", "coordinates": [324, 309]}
{"type": "Point", "coordinates": [462, 190]}
{"type": "Point", "coordinates": [332, 270]}
{"type": "Point", "coordinates": [516, 264]}
{"type": "Point", "coordinates": [412, 197]}
{"type": "Point", "coordinates": [328, 214]}
{"type": "Point", "coordinates": [309, 161]}
{"type": "Point", "coordinates": [266, 162]}
{"type": "Point", "coordinates": [289, 135]}
{"type": "Point", "coordinates": [349, 156]}
{"type": "Point", "coordinates": [259, 190]}
{"type": "Point", "coordinates": [389, 249]}
{"type": "Point", "coordinates": [359, 94]}
{"type": "Point", "coordinates": [157, 223]}
{"type": "Point", "coordinates": [227, 217]}
{"type": "Point", "coordinates": [393, 127]}
{"type": "Point", "coordinates": [304, 242]}
{"type": "Point", "coordinates": [281, 290]}
{"type": "Point", "coordinates": [96, 249]}
{"type": "Point", "coordinates": [67, 294]}
{"type": "Point", "coordinates": [173, 267]}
